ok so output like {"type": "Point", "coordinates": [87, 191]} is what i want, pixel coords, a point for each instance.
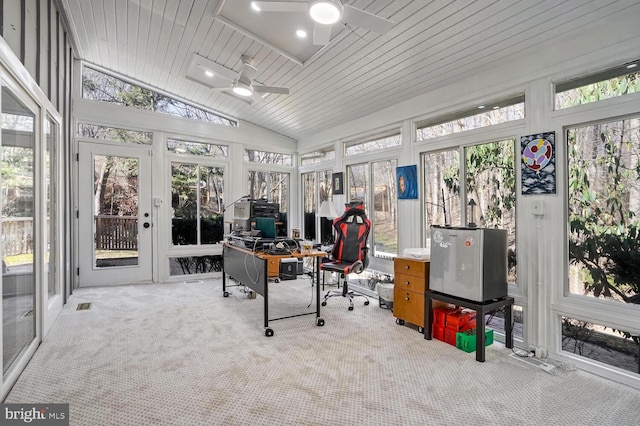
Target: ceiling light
{"type": "Point", "coordinates": [632, 66]}
{"type": "Point", "coordinates": [326, 11]}
{"type": "Point", "coordinates": [208, 73]}
{"type": "Point", "coordinates": [301, 33]}
{"type": "Point", "coordinates": [496, 107]}
{"type": "Point", "coordinates": [481, 107]}
{"type": "Point", "coordinates": [242, 89]}
{"type": "Point", "coordinates": [255, 7]}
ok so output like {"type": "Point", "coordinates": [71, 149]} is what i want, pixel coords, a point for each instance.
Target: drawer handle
{"type": "Point", "coordinates": [408, 282]}
{"type": "Point", "coordinates": [407, 298]}
{"type": "Point", "coordinates": [406, 266]}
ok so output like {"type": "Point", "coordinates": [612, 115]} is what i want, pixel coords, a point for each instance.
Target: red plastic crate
{"type": "Point", "coordinates": [438, 332]}
{"type": "Point", "coordinates": [460, 320]}
{"type": "Point", "coordinates": [450, 336]}
{"type": "Point", "coordinates": [440, 315]}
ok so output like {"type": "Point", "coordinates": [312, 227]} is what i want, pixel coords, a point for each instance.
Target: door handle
{"type": "Point", "coordinates": [146, 225]}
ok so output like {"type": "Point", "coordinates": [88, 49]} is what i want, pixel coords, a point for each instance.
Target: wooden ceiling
{"type": "Point", "coordinates": [433, 42]}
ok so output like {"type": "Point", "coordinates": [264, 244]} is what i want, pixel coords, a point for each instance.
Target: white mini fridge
{"type": "Point", "coordinates": [470, 263]}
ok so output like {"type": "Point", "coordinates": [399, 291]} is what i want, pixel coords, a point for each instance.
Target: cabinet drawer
{"type": "Point", "coordinates": [417, 268]}
{"type": "Point", "coordinates": [408, 306]}
{"type": "Point", "coordinates": [409, 282]}
{"type": "Point", "coordinates": [273, 267]}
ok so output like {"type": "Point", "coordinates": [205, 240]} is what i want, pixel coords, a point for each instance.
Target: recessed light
{"type": "Point", "coordinates": [632, 66]}
{"type": "Point", "coordinates": [255, 7]}
{"type": "Point", "coordinates": [481, 107]}
{"type": "Point", "coordinates": [301, 33]}
{"type": "Point", "coordinates": [208, 73]}
{"type": "Point", "coordinates": [496, 107]}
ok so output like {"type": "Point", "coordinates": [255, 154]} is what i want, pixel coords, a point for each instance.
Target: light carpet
{"type": "Point", "coordinates": [182, 354]}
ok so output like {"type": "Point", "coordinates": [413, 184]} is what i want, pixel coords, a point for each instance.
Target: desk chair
{"type": "Point", "coordinates": [349, 253]}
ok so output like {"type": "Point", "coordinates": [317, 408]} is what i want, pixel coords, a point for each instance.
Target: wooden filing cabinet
{"type": "Point", "coordinates": [273, 267]}
{"type": "Point", "coordinates": [411, 280]}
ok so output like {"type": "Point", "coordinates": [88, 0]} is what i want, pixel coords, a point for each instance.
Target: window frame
{"type": "Point", "coordinates": [185, 158]}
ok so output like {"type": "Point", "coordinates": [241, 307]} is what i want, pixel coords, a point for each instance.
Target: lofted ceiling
{"type": "Point", "coordinates": [168, 44]}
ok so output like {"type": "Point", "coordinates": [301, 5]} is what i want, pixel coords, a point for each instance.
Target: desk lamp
{"type": "Point", "coordinates": [328, 211]}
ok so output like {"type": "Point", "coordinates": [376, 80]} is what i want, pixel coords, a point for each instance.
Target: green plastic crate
{"type": "Point", "coordinates": [466, 340]}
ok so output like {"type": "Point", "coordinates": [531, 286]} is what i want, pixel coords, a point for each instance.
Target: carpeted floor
{"type": "Point", "coordinates": [182, 354]}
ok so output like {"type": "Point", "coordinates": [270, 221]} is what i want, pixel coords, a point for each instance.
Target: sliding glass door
{"type": "Point", "coordinates": [20, 315]}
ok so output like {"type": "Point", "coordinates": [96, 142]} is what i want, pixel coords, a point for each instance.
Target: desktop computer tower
{"type": "Point", "coordinates": [470, 263]}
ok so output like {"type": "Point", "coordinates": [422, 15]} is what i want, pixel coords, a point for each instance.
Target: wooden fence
{"type": "Point", "coordinates": [116, 232]}
{"type": "Point", "coordinates": [17, 235]}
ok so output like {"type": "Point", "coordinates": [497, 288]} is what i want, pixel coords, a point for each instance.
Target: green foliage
{"type": "Point", "coordinates": [603, 231]}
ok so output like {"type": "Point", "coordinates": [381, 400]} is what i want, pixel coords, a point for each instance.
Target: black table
{"type": "Point", "coordinates": [481, 308]}
{"type": "Point", "coordinates": [250, 268]}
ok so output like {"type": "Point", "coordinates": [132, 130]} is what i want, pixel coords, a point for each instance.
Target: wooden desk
{"type": "Point", "coordinates": [481, 309]}
{"type": "Point", "coordinates": [257, 279]}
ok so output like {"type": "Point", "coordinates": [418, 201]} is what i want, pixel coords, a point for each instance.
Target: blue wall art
{"type": "Point", "coordinates": [407, 179]}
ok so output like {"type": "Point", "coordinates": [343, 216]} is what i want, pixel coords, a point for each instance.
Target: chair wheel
{"type": "Point", "coordinates": [324, 303]}
{"type": "Point", "coordinates": [268, 332]}
{"type": "Point", "coordinates": [366, 302]}
{"type": "Point", "coordinates": [319, 322]}
{"type": "Point", "coordinates": [351, 308]}
{"type": "Point", "coordinates": [225, 294]}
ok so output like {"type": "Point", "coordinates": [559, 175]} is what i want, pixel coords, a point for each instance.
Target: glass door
{"type": "Point", "coordinates": [115, 217]}
{"type": "Point", "coordinates": [53, 201]}
{"type": "Point", "coordinates": [20, 316]}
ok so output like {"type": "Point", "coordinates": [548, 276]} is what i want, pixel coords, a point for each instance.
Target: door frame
{"type": "Point", "coordinates": [85, 259]}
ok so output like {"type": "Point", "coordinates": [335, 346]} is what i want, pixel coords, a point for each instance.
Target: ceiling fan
{"type": "Point", "coordinates": [244, 86]}
{"type": "Point", "coordinates": [325, 13]}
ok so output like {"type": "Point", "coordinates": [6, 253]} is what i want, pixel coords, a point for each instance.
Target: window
{"type": "Point", "coordinates": [475, 118]}
{"type": "Point", "coordinates": [194, 265]}
{"type": "Point", "coordinates": [618, 81]}
{"type": "Point", "coordinates": [442, 201]}
{"type": "Point", "coordinates": [490, 181]}
{"type": "Point", "coordinates": [618, 348]}
{"type": "Point", "coordinates": [376, 143]}
{"type": "Point", "coordinates": [94, 131]}
{"type": "Point", "coordinates": [317, 157]}
{"type": "Point", "coordinates": [197, 203]}
{"type": "Point", "coordinates": [604, 239]}
{"type": "Point", "coordinates": [102, 87]}
{"type": "Point", "coordinates": [604, 201]}
{"type": "Point", "coordinates": [317, 189]}
{"type": "Point", "coordinates": [197, 148]}
{"type": "Point", "coordinates": [264, 157]}
{"type": "Point", "coordinates": [374, 183]}
{"type": "Point", "coordinates": [274, 187]}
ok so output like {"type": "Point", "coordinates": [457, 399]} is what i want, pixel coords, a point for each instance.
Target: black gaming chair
{"type": "Point", "coordinates": [349, 253]}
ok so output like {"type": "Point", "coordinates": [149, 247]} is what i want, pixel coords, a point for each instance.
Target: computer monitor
{"type": "Point", "coordinates": [266, 226]}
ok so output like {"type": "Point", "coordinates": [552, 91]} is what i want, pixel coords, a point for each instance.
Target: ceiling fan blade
{"type": "Point", "coordinates": [247, 73]}
{"type": "Point", "coordinates": [321, 34]}
{"type": "Point", "coordinates": [256, 98]}
{"type": "Point", "coordinates": [366, 20]}
{"type": "Point", "coordinates": [271, 89]}
{"type": "Point", "coordinates": [282, 6]}
{"type": "Point", "coordinates": [201, 64]}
